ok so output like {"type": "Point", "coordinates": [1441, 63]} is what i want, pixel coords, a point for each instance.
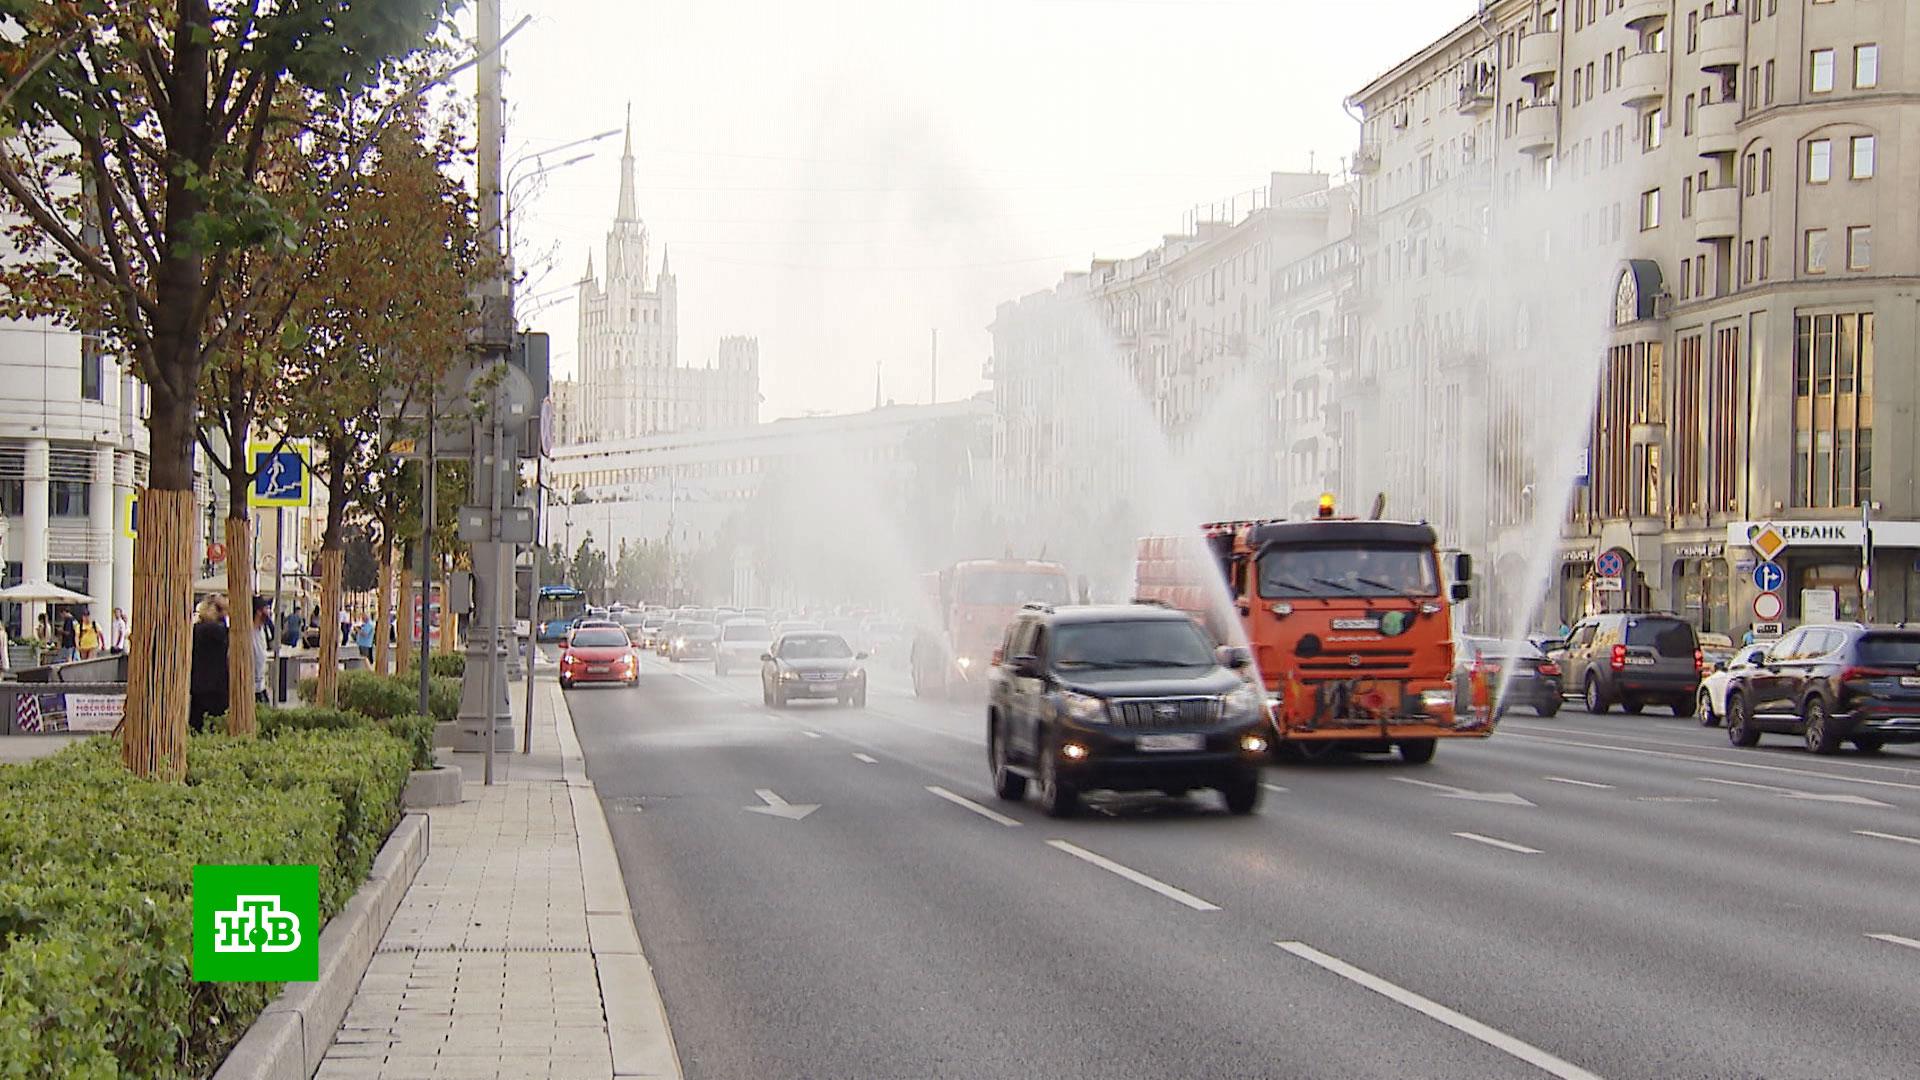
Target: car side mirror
{"type": "Point", "coordinates": [860, 656]}
{"type": "Point", "coordinates": [1236, 657]}
{"type": "Point", "coordinates": [1025, 666]}
{"type": "Point", "coordinates": [765, 656]}
{"type": "Point", "coordinates": [1463, 567]}
{"type": "Point", "coordinates": [1460, 591]}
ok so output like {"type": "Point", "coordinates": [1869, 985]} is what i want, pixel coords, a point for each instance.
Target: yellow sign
{"type": "Point", "coordinates": [1768, 542]}
{"type": "Point", "coordinates": [130, 515]}
{"type": "Point", "coordinates": [282, 474]}
{"type": "Point", "coordinates": [405, 447]}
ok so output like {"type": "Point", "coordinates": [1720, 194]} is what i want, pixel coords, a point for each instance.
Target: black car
{"type": "Point", "coordinates": [812, 664]}
{"type": "Point", "coordinates": [693, 641]}
{"type": "Point", "coordinates": [1534, 684]}
{"type": "Point", "coordinates": [1121, 698]}
{"type": "Point", "coordinates": [1829, 684]}
{"type": "Point", "coordinates": [1634, 659]}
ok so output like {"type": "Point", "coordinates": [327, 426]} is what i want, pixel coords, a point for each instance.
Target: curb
{"type": "Point", "coordinates": [637, 1029]}
{"type": "Point", "coordinates": [293, 1032]}
{"type": "Point", "coordinates": [438, 786]}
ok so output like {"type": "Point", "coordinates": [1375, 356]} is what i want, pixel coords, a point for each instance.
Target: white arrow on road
{"type": "Point", "coordinates": [1447, 791]}
{"type": "Point", "coordinates": [1807, 796]}
{"type": "Point", "coordinates": [779, 807]}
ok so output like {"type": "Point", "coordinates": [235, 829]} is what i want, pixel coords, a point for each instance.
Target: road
{"type": "Point", "coordinates": [1577, 897]}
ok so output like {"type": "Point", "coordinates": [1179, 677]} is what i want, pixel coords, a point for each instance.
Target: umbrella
{"type": "Point", "coordinates": [41, 592]}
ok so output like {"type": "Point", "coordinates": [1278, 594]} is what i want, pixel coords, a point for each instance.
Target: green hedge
{"type": "Point", "coordinates": [413, 729]}
{"type": "Point", "coordinates": [443, 665]}
{"type": "Point", "coordinates": [386, 696]}
{"type": "Point", "coordinates": [96, 916]}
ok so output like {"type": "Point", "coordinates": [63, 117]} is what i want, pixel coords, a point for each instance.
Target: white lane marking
{"type": "Point", "coordinates": [1896, 939]}
{"type": "Point", "coordinates": [1578, 783]}
{"type": "Point", "coordinates": [863, 757]}
{"type": "Point", "coordinates": [1448, 791]}
{"type": "Point", "coordinates": [1793, 793]}
{"type": "Point", "coordinates": [810, 734]}
{"type": "Point", "coordinates": [1717, 761]}
{"type": "Point", "coordinates": [1888, 836]}
{"type": "Point", "coordinates": [984, 811]}
{"type": "Point", "coordinates": [1135, 876]}
{"type": "Point", "coordinates": [1508, 726]}
{"type": "Point", "coordinates": [1431, 1009]}
{"type": "Point", "coordinates": [1274, 787]}
{"type": "Point", "coordinates": [779, 807]}
{"type": "Point", "coordinates": [1507, 845]}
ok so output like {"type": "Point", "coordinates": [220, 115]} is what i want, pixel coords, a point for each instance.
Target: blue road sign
{"type": "Point", "coordinates": [281, 475]}
{"type": "Point", "coordinates": [1768, 577]}
{"type": "Point", "coordinates": [1610, 564]}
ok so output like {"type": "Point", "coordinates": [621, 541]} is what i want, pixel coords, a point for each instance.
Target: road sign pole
{"type": "Point", "coordinates": [426, 574]}
{"type": "Point", "coordinates": [279, 564]}
{"type": "Point", "coordinates": [533, 592]}
{"type": "Point", "coordinates": [1866, 561]}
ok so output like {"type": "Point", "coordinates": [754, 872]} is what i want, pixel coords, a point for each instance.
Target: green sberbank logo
{"type": "Point", "coordinates": [256, 923]}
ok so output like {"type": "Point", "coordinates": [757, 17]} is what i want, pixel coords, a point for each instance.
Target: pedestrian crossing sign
{"type": "Point", "coordinates": [130, 515]}
{"type": "Point", "coordinates": [282, 474]}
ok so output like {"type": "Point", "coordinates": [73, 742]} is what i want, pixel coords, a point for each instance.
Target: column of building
{"type": "Point", "coordinates": [33, 523]}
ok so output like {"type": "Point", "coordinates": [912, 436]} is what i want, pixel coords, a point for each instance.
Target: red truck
{"type": "Point", "coordinates": [971, 603]}
{"type": "Point", "coordinates": [1349, 621]}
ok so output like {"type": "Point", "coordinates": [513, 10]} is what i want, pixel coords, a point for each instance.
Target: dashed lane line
{"type": "Point", "coordinates": [1719, 761]}
{"type": "Point", "coordinates": [987, 812]}
{"type": "Point", "coordinates": [1578, 783]}
{"type": "Point", "coordinates": [1466, 1025]}
{"type": "Point", "coordinates": [1171, 892]}
{"type": "Point", "coordinates": [1896, 939]}
{"type": "Point", "coordinates": [1888, 836]}
{"type": "Point", "coordinates": [1504, 845]}
{"type": "Point", "coordinates": [868, 758]}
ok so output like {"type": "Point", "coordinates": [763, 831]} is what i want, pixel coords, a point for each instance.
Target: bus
{"type": "Point", "coordinates": [559, 605]}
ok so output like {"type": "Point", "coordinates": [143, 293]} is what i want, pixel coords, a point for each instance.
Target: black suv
{"type": "Point", "coordinates": [1829, 684]}
{"type": "Point", "coordinates": [1634, 658]}
{"type": "Point", "coordinates": [1121, 698]}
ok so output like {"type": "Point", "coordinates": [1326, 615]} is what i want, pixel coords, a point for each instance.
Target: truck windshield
{"type": "Point", "coordinates": [1135, 644]}
{"type": "Point", "coordinates": [1335, 570]}
{"type": "Point", "coordinates": [1011, 587]}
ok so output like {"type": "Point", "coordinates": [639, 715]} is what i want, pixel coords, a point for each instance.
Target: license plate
{"type": "Point", "coordinates": [1174, 743]}
{"type": "Point", "coordinates": [599, 669]}
{"type": "Point", "coordinates": [1639, 661]}
{"type": "Point", "coordinates": [1910, 682]}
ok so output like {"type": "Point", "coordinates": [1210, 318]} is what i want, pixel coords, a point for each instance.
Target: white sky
{"type": "Point", "coordinates": [838, 179]}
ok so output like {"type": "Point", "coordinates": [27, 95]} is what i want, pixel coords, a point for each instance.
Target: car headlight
{"type": "Point", "coordinates": [964, 662]}
{"type": "Point", "coordinates": [679, 643]}
{"type": "Point", "coordinates": [789, 676]}
{"type": "Point", "coordinates": [1244, 703]}
{"type": "Point", "coordinates": [1083, 708]}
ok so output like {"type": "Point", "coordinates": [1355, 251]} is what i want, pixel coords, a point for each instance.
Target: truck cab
{"type": "Point", "coordinates": [972, 602]}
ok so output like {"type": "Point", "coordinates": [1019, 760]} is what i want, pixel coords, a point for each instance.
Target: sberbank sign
{"type": "Point", "coordinates": [1886, 534]}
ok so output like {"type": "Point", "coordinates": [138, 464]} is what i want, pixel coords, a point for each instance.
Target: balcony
{"type": "Point", "coordinates": [1476, 97]}
{"type": "Point", "coordinates": [1723, 42]}
{"type": "Point", "coordinates": [1714, 126]}
{"type": "Point", "coordinates": [1643, 80]}
{"type": "Point", "coordinates": [1536, 129]}
{"type": "Point", "coordinates": [1538, 57]}
{"type": "Point", "coordinates": [1366, 159]}
{"type": "Point", "coordinates": [1644, 15]}
{"type": "Point", "coordinates": [1716, 214]}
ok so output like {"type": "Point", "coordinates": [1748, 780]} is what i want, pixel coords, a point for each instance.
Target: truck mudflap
{"type": "Point", "coordinates": [1372, 710]}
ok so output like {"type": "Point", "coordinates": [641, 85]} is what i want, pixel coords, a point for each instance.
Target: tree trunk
{"type": "Point", "coordinates": [403, 644]}
{"type": "Point", "coordinates": [383, 608]}
{"type": "Point", "coordinates": [328, 691]}
{"type": "Point", "coordinates": [449, 622]}
{"type": "Point", "coordinates": [241, 629]}
{"type": "Point", "coordinates": [153, 734]}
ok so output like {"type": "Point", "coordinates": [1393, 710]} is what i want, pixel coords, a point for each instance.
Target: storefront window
{"type": "Point", "coordinates": [1843, 578]}
{"type": "Point", "coordinates": [1832, 410]}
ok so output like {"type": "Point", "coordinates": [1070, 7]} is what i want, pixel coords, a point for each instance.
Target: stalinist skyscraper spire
{"type": "Point", "coordinates": [626, 211]}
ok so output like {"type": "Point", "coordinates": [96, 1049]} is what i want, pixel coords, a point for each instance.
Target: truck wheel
{"type": "Point", "coordinates": [1242, 794]}
{"type": "Point", "coordinates": [1058, 798]}
{"type": "Point", "coordinates": [1417, 751]}
{"type": "Point", "coordinates": [1007, 784]}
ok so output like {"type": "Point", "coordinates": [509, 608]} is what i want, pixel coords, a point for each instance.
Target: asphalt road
{"type": "Point", "coordinates": [1583, 896]}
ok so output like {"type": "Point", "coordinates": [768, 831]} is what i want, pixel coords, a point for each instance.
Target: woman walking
{"type": "Point", "coordinates": [87, 636]}
{"type": "Point", "coordinates": [207, 681]}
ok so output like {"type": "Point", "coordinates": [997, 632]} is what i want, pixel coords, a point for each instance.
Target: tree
{"type": "Point", "coordinates": [359, 573]}
{"type": "Point", "coordinates": [590, 570]}
{"type": "Point", "coordinates": [134, 137]}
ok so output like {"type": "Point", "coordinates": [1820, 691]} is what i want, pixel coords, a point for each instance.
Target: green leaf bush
{"type": "Point", "coordinates": [96, 917]}
{"type": "Point", "coordinates": [386, 696]}
{"type": "Point", "coordinates": [413, 729]}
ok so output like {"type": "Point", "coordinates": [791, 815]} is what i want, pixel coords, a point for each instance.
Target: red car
{"type": "Point", "coordinates": [598, 654]}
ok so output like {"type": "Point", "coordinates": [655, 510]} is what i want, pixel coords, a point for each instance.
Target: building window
{"type": "Point", "coordinates": [70, 575]}
{"type": "Point", "coordinates": [91, 363]}
{"type": "Point", "coordinates": [1686, 279]}
{"type": "Point", "coordinates": [67, 498]}
{"type": "Point", "coordinates": [1650, 130]}
{"type": "Point", "coordinates": [1821, 72]}
{"type": "Point", "coordinates": [1688, 115]}
{"type": "Point", "coordinates": [1819, 161]}
{"type": "Point", "coordinates": [1769, 81]}
{"type": "Point", "coordinates": [1816, 256]}
{"type": "Point", "coordinates": [1832, 410]}
{"type": "Point", "coordinates": [1866, 67]}
{"type": "Point", "coordinates": [1860, 247]}
{"type": "Point", "coordinates": [1649, 210]}
{"type": "Point", "coordinates": [1746, 263]}
{"type": "Point", "coordinates": [1723, 413]}
{"type": "Point", "coordinates": [1753, 173]}
{"type": "Point", "coordinates": [13, 497]}
{"type": "Point", "coordinates": [1686, 198]}
{"type": "Point", "coordinates": [1863, 157]}
{"type": "Point", "coordinates": [1686, 432]}
{"type": "Point", "coordinates": [1766, 257]}
{"type": "Point", "coordinates": [1766, 169]}
{"type": "Point", "coordinates": [1627, 478]}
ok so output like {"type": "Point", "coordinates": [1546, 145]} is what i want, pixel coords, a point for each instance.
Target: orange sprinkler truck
{"type": "Point", "coordinates": [972, 603]}
{"type": "Point", "coordinates": [1349, 621]}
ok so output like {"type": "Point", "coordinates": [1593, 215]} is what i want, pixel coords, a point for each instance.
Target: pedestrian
{"type": "Point", "coordinates": [207, 680]}
{"type": "Point", "coordinates": [346, 624]}
{"type": "Point", "coordinates": [262, 630]}
{"type": "Point", "coordinates": [69, 636]}
{"type": "Point", "coordinates": [42, 631]}
{"type": "Point", "coordinates": [87, 637]}
{"type": "Point", "coordinates": [117, 635]}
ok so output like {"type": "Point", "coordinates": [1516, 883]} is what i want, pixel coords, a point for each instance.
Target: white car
{"type": "Point", "coordinates": [740, 645]}
{"type": "Point", "coordinates": [1713, 688]}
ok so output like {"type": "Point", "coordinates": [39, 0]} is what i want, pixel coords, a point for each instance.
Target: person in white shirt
{"type": "Point", "coordinates": [118, 631]}
{"type": "Point", "coordinates": [262, 630]}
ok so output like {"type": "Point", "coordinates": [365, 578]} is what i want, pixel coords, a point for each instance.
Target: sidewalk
{"type": "Point", "coordinates": [16, 748]}
{"type": "Point", "coordinates": [513, 953]}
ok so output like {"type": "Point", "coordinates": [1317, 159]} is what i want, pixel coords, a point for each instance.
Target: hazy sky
{"type": "Point", "coordinates": [838, 179]}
